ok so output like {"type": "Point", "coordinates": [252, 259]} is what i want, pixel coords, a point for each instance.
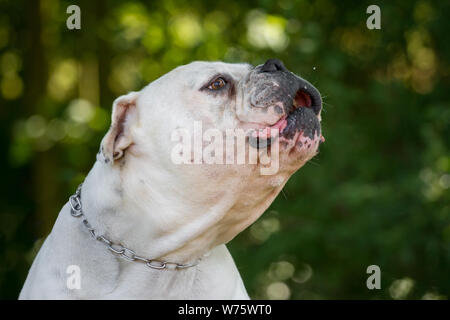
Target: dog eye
{"type": "Point", "coordinates": [217, 84]}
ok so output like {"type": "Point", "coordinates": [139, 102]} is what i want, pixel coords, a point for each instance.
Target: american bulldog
{"type": "Point", "coordinates": [142, 226]}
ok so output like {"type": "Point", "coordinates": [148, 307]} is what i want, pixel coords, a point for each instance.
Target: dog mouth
{"type": "Point", "coordinates": [302, 99]}
{"type": "Point", "coordinates": [301, 119]}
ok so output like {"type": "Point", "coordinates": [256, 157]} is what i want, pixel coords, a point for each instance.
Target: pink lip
{"type": "Point", "coordinates": [266, 132]}
{"type": "Point", "coordinates": [301, 100]}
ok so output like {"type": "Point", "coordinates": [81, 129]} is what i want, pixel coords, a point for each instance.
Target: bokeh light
{"type": "Point", "coordinates": [278, 291]}
{"type": "Point", "coordinates": [401, 288]}
{"type": "Point", "coordinates": [267, 31]}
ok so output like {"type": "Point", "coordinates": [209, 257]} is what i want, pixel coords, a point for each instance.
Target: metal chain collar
{"type": "Point", "coordinates": [117, 248]}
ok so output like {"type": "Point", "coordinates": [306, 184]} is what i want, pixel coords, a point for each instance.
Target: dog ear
{"type": "Point", "coordinates": [118, 138]}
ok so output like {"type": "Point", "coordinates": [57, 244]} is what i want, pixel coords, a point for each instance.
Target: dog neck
{"type": "Point", "coordinates": [132, 212]}
{"type": "Point", "coordinates": [146, 207]}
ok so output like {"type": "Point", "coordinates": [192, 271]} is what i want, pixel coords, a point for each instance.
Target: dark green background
{"type": "Point", "coordinates": [378, 192]}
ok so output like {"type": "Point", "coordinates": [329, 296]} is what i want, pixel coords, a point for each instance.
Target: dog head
{"type": "Point", "coordinates": [278, 111]}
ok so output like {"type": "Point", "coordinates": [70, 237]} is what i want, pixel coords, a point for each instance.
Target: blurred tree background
{"type": "Point", "coordinates": [378, 193]}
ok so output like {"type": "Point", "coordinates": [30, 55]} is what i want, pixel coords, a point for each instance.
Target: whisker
{"type": "Point", "coordinates": [329, 104]}
{"type": "Point", "coordinates": [284, 194]}
{"type": "Point", "coordinates": [314, 163]}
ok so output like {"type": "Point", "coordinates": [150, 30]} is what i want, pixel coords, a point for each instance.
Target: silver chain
{"type": "Point", "coordinates": [118, 249]}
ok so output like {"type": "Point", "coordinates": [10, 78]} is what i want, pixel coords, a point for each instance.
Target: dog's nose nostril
{"type": "Point", "coordinates": [315, 99]}
{"type": "Point", "coordinates": [273, 65]}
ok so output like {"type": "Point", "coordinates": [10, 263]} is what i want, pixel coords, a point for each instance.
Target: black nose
{"type": "Point", "coordinates": [273, 65]}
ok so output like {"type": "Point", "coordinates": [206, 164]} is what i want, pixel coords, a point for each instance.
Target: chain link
{"type": "Point", "coordinates": [118, 249]}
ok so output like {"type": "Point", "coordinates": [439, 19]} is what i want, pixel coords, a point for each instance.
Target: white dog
{"type": "Point", "coordinates": [166, 224]}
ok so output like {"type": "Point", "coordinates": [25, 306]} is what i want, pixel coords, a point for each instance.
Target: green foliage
{"type": "Point", "coordinates": [378, 193]}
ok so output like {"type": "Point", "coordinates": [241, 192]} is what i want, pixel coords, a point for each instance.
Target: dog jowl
{"type": "Point", "coordinates": [283, 108]}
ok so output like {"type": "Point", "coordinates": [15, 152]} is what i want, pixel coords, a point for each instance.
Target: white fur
{"type": "Point", "coordinates": [159, 209]}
